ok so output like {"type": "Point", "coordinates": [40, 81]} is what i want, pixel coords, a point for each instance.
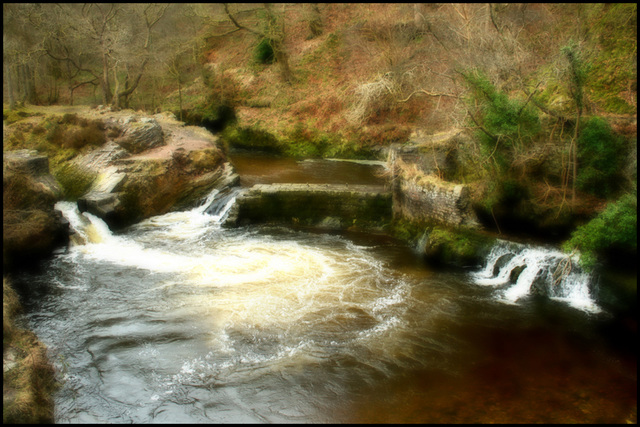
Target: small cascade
{"type": "Point", "coordinates": [518, 270]}
{"type": "Point", "coordinates": [86, 228]}
{"type": "Point", "coordinates": [218, 204]}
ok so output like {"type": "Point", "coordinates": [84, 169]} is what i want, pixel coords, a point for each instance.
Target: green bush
{"type": "Point", "coordinates": [90, 135]}
{"type": "Point", "coordinates": [55, 134]}
{"type": "Point", "coordinates": [213, 116]}
{"type": "Point", "coordinates": [511, 122]}
{"type": "Point", "coordinates": [616, 226]}
{"type": "Point", "coordinates": [250, 138]}
{"type": "Point", "coordinates": [263, 53]}
{"type": "Point", "coordinates": [601, 157]}
{"type": "Point", "coordinates": [505, 193]}
{"type": "Point", "coordinates": [70, 119]}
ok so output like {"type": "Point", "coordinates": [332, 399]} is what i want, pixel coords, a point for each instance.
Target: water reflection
{"type": "Point", "coordinates": [267, 169]}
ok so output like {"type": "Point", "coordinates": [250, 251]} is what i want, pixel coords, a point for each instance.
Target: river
{"type": "Point", "coordinates": [178, 320]}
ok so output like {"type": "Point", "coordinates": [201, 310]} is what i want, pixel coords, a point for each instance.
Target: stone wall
{"type": "Point", "coordinates": [322, 205]}
{"type": "Point", "coordinates": [433, 200]}
{"type": "Point", "coordinates": [419, 192]}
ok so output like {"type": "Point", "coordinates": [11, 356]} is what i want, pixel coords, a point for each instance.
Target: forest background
{"type": "Point", "coordinates": [549, 91]}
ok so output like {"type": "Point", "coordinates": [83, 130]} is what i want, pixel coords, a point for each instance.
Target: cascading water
{"type": "Point", "coordinates": [547, 271]}
{"type": "Point", "coordinates": [177, 319]}
{"type": "Point", "coordinates": [245, 303]}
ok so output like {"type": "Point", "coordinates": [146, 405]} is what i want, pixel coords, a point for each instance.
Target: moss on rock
{"type": "Point", "coordinates": [28, 377]}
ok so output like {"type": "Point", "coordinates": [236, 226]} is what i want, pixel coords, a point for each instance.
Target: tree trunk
{"type": "Point", "coordinates": [418, 16]}
{"type": "Point", "coordinates": [277, 43]}
{"type": "Point", "coordinates": [282, 58]}
{"type": "Point", "coordinates": [115, 102]}
{"type": "Point", "coordinates": [128, 90]}
{"type": "Point", "coordinates": [574, 158]}
{"type": "Point", "coordinates": [12, 99]}
{"type": "Point", "coordinates": [104, 82]}
{"type": "Point", "coordinates": [26, 84]}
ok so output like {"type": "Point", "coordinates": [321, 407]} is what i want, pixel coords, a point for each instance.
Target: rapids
{"type": "Point", "coordinates": [177, 319]}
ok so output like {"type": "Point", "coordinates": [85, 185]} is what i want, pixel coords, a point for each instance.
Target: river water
{"type": "Point", "coordinates": [176, 319]}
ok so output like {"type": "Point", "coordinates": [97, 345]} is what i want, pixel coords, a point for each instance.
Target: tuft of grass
{"type": "Point", "coordinates": [75, 181]}
{"type": "Point", "coordinates": [12, 116]}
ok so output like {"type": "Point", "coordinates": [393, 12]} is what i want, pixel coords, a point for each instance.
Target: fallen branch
{"type": "Point", "coordinates": [427, 93]}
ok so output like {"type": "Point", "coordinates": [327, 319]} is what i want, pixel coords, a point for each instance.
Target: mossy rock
{"type": "Point", "coordinates": [29, 235]}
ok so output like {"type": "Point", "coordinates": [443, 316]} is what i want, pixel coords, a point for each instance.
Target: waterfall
{"type": "Point", "coordinates": [219, 203]}
{"type": "Point", "coordinates": [92, 237]}
{"type": "Point", "coordinates": [518, 270]}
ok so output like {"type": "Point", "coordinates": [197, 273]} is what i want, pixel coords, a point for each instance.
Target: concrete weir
{"type": "Point", "coordinates": [333, 206]}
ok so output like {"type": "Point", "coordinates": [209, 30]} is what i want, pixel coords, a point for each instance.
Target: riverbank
{"type": "Point", "coordinates": [180, 314]}
{"type": "Point", "coordinates": [28, 377]}
{"type": "Point", "coordinates": [442, 244]}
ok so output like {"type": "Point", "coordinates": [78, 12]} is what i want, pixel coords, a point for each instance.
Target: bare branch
{"type": "Point", "coordinates": [529, 98]}
{"type": "Point", "coordinates": [486, 132]}
{"type": "Point", "coordinates": [237, 24]}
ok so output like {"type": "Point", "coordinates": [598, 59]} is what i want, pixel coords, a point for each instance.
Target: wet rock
{"type": "Point", "coordinates": [515, 273]}
{"type": "Point", "coordinates": [100, 203]}
{"type": "Point", "coordinates": [312, 205]}
{"type": "Point", "coordinates": [501, 262]}
{"type": "Point", "coordinates": [29, 235]}
{"type": "Point", "coordinates": [331, 223]}
{"type": "Point", "coordinates": [32, 228]}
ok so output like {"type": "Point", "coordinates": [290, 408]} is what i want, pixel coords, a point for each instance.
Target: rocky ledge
{"type": "Point", "coordinates": [32, 228]}
{"type": "Point", "coordinates": [156, 165]}
{"type": "Point", "coordinates": [147, 165]}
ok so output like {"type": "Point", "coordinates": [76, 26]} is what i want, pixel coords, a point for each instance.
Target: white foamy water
{"type": "Point", "coordinates": [177, 319]}
{"type": "Point", "coordinates": [555, 273]}
{"type": "Point", "coordinates": [282, 287]}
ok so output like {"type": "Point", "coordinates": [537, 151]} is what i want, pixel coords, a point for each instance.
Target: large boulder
{"type": "Point", "coordinates": [140, 134]}
{"type": "Point", "coordinates": [130, 190]}
{"type": "Point", "coordinates": [32, 228]}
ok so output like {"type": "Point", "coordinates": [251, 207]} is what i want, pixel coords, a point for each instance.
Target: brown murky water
{"type": "Point", "coordinates": [178, 320]}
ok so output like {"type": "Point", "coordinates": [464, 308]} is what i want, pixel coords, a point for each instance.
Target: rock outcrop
{"type": "Point", "coordinates": [140, 134]}
{"type": "Point", "coordinates": [168, 166]}
{"type": "Point", "coordinates": [433, 200]}
{"type": "Point", "coordinates": [32, 228]}
{"type": "Point", "coordinates": [421, 192]}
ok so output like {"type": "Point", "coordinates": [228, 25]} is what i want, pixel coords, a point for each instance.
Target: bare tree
{"type": "Point", "coordinates": [21, 51]}
{"type": "Point", "coordinates": [275, 33]}
{"type": "Point", "coordinates": [151, 14]}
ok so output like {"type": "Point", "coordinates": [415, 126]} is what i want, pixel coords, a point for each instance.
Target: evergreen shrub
{"type": "Point", "coordinates": [601, 157]}
{"type": "Point", "coordinates": [511, 122]}
{"type": "Point", "coordinates": [263, 52]}
{"type": "Point", "coordinates": [615, 227]}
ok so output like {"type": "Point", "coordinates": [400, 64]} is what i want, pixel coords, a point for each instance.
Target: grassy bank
{"type": "Point", "coordinates": [28, 377]}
